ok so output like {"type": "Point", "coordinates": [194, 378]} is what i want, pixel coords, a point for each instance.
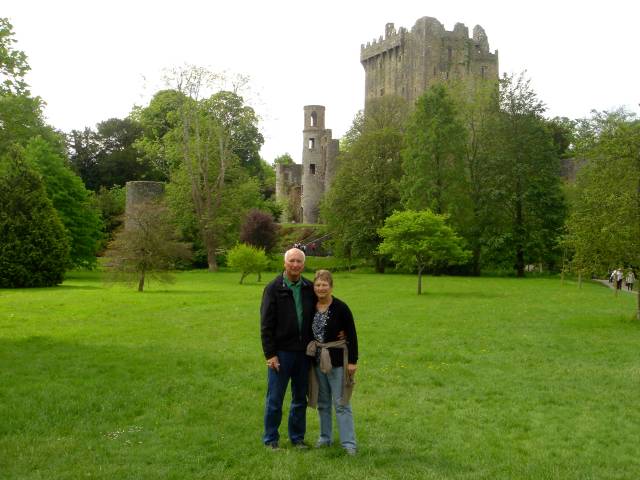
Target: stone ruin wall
{"type": "Point", "coordinates": [140, 192]}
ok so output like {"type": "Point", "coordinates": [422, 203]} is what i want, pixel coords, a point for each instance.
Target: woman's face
{"type": "Point", "coordinates": [322, 288]}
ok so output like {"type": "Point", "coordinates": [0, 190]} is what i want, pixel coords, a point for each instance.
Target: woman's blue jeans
{"type": "Point", "coordinates": [330, 392]}
{"type": "Point", "coordinates": [294, 366]}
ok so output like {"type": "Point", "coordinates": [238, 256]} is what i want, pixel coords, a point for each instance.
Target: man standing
{"type": "Point", "coordinates": [286, 313]}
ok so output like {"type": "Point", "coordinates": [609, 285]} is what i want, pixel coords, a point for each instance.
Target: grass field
{"type": "Point", "coordinates": [479, 378]}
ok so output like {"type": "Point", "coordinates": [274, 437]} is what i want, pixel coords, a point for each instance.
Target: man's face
{"type": "Point", "coordinates": [294, 264]}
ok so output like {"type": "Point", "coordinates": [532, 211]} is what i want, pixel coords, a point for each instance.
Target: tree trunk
{"type": "Point", "coordinates": [519, 261]}
{"type": "Point", "coordinates": [141, 281]}
{"type": "Point", "coordinates": [380, 264]}
{"type": "Point", "coordinates": [211, 253]}
{"type": "Point", "coordinates": [579, 279]}
{"type": "Point", "coordinates": [419, 280]}
{"type": "Point", "coordinates": [476, 261]}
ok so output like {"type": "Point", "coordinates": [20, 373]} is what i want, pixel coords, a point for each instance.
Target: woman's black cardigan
{"type": "Point", "coordinates": [340, 318]}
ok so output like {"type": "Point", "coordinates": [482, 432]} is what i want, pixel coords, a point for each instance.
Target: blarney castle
{"type": "Point", "coordinates": [403, 63]}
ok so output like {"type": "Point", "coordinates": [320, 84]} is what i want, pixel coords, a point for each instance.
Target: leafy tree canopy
{"type": "Point", "coordinates": [421, 239]}
{"type": "Point", "coordinates": [70, 199]}
{"type": "Point", "coordinates": [13, 63]}
{"type": "Point", "coordinates": [247, 259]}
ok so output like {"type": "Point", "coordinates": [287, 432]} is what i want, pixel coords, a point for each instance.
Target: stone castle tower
{"type": "Point", "coordinates": [319, 152]}
{"type": "Point", "coordinates": [406, 63]}
{"type": "Point", "coordinates": [312, 179]}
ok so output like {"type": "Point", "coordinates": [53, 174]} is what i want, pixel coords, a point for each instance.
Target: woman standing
{"type": "Point", "coordinates": [335, 350]}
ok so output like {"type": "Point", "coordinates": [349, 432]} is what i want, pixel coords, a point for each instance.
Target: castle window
{"type": "Point", "coordinates": [314, 119]}
{"type": "Point", "coordinates": [449, 54]}
{"type": "Point", "coordinates": [382, 92]}
{"type": "Point", "coordinates": [312, 143]}
{"type": "Point", "coordinates": [434, 71]}
{"type": "Point", "coordinates": [312, 168]}
{"type": "Point", "coordinates": [483, 71]}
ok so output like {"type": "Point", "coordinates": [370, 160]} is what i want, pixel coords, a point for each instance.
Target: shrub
{"type": "Point", "coordinates": [259, 230]}
{"type": "Point", "coordinates": [247, 259]}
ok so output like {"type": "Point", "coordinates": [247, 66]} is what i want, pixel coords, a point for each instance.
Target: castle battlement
{"type": "Point", "coordinates": [378, 46]}
{"type": "Point", "coordinates": [406, 63]}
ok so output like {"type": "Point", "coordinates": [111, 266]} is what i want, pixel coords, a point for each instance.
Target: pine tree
{"type": "Point", "coordinates": [33, 244]}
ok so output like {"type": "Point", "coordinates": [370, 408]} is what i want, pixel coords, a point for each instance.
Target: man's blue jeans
{"type": "Point", "coordinates": [294, 366]}
{"type": "Point", "coordinates": [330, 392]}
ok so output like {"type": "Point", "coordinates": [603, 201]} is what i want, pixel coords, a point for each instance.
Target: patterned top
{"type": "Point", "coordinates": [319, 325]}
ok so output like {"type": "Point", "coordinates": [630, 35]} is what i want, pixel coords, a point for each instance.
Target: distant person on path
{"type": "Point", "coordinates": [630, 279]}
{"type": "Point", "coordinates": [286, 312]}
{"type": "Point", "coordinates": [334, 350]}
{"type": "Point", "coordinates": [619, 277]}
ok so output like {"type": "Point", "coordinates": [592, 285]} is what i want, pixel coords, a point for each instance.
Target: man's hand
{"type": "Point", "coordinates": [351, 369]}
{"type": "Point", "coordinates": [342, 335]}
{"type": "Point", "coordinates": [273, 363]}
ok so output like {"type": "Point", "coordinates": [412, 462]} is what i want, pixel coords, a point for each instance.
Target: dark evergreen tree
{"type": "Point", "coordinates": [33, 244]}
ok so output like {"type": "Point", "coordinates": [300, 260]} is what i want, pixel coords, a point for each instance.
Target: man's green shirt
{"type": "Point", "coordinates": [296, 288]}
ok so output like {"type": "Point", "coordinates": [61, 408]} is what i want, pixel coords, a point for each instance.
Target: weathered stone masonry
{"type": "Point", "coordinates": [406, 63]}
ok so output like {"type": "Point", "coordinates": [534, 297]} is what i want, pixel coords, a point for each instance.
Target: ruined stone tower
{"type": "Point", "coordinates": [301, 187]}
{"type": "Point", "coordinates": [407, 63]}
{"type": "Point", "coordinates": [319, 152]}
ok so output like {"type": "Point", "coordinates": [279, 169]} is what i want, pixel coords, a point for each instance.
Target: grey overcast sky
{"type": "Point", "coordinates": [93, 60]}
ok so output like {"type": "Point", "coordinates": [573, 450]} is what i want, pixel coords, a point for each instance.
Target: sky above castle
{"type": "Point", "coordinates": [95, 60]}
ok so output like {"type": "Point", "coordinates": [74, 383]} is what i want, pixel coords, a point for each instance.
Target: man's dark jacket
{"type": "Point", "coordinates": [279, 321]}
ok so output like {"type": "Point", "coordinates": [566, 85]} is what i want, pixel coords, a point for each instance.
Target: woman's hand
{"type": "Point", "coordinates": [351, 369]}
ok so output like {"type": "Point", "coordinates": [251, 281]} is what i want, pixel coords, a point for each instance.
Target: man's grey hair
{"type": "Point", "coordinates": [286, 254]}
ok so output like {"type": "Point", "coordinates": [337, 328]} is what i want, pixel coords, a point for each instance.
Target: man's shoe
{"type": "Point", "coordinates": [272, 445]}
{"type": "Point", "coordinates": [351, 452]}
{"type": "Point", "coordinates": [301, 446]}
{"type": "Point", "coordinates": [320, 444]}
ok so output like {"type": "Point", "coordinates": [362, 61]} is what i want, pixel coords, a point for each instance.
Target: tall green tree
{"type": "Point", "coordinates": [477, 107]}
{"type": "Point", "coordinates": [13, 62]}
{"type": "Point", "coordinates": [527, 199]}
{"type": "Point", "coordinates": [421, 239]}
{"type": "Point", "coordinates": [433, 157]}
{"type": "Point", "coordinates": [240, 122]}
{"type": "Point", "coordinates": [108, 157]}
{"type": "Point", "coordinates": [209, 176]}
{"type": "Point", "coordinates": [159, 119]}
{"type": "Point", "coordinates": [366, 190]}
{"type": "Point", "coordinates": [604, 227]}
{"type": "Point", "coordinates": [33, 244]}
{"type": "Point", "coordinates": [20, 113]}
{"type": "Point", "coordinates": [71, 200]}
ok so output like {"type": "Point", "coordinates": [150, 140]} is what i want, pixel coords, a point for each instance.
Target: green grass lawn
{"type": "Point", "coordinates": [492, 378]}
